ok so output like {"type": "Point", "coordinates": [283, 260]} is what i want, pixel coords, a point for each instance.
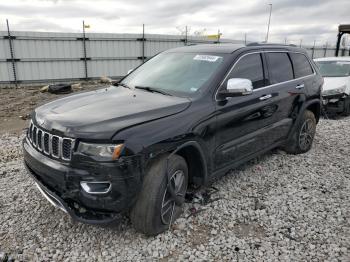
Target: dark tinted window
{"type": "Point", "coordinates": [280, 67]}
{"type": "Point", "coordinates": [249, 67]}
{"type": "Point", "coordinates": [301, 65]}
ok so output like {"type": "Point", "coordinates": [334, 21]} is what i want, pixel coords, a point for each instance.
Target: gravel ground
{"type": "Point", "coordinates": [277, 207]}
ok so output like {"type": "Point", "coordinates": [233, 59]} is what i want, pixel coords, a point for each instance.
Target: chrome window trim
{"type": "Point", "coordinates": [265, 87]}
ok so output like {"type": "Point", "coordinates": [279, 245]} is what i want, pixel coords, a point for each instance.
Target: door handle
{"type": "Point", "coordinates": [265, 97]}
{"type": "Point", "coordinates": [300, 86]}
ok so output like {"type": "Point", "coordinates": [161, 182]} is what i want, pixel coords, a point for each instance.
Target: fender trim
{"type": "Point", "coordinates": [179, 200]}
{"type": "Point", "coordinates": [302, 109]}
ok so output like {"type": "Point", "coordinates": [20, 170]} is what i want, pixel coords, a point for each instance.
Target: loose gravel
{"type": "Point", "coordinates": [278, 207]}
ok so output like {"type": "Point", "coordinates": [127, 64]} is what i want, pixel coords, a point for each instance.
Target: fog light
{"type": "Point", "coordinates": [100, 187]}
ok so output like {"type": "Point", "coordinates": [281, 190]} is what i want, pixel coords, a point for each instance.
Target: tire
{"type": "Point", "coordinates": [346, 111]}
{"type": "Point", "coordinates": [303, 136]}
{"type": "Point", "coordinates": [146, 214]}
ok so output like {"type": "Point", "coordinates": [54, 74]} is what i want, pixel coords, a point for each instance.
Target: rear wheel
{"type": "Point", "coordinates": [303, 136]}
{"type": "Point", "coordinates": [155, 208]}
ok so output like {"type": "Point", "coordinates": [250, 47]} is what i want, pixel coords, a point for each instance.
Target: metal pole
{"type": "Point", "coordinates": [186, 35]}
{"type": "Point", "coordinates": [313, 50]}
{"type": "Point", "coordinates": [12, 54]}
{"type": "Point", "coordinates": [285, 40]}
{"type": "Point", "coordinates": [143, 43]}
{"type": "Point", "coordinates": [338, 43]}
{"type": "Point", "coordinates": [218, 36]}
{"type": "Point", "coordinates": [245, 38]}
{"type": "Point", "coordinates": [301, 41]}
{"type": "Point", "coordinates": [325, 50]}
{"type": "Point", "coordinates": [84, 48]}
{"type": "Point", "coordinates": [268, 25]}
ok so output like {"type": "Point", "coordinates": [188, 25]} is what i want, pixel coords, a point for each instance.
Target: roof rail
{"type": "Point", "coordinates": [268, 44]}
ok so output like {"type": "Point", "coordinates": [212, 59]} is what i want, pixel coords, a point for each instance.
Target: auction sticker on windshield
{"type": "Point", "coordinates": [208, 58]}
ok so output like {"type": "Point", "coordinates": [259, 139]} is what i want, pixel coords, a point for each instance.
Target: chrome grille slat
{"type": "Point", "coordinates": [52, 145]}
{"type": "Point", "coordinates": [55, 146]}
{"type": "Point", "coordinates": [46, 147]}
{"type": "Point", "coordinates": [34, 135]}
{"type": "Point", "coordinates": [39, 139]}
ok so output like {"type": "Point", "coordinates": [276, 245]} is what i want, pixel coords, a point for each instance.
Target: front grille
{"type": "Point", "coordinates": [52, 145]}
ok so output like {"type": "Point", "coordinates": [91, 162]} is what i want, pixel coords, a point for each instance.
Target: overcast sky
{"type": "Point", "coordinates": [291, 19]}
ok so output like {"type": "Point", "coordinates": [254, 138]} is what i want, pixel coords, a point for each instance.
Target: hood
{"type": "Point", "coordinates": [100, 114]}
{"type": "Point", "coordinates": [331, 83]}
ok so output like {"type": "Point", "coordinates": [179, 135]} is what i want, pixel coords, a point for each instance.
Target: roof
{"type": "Point", "coordinates": [209, 48]}
{"type": "Point", "coordinates": [339, 58]}
{"type": "Point", "coordinates": [228, 48]}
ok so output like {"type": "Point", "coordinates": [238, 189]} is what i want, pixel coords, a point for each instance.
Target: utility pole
{"type": "Point", "coordinates": [143, 43]}
{"type": "Point", "coordinates": [186, 35]}
{"type": "Point", "coordinates": [84, 49]}
{"type": "Point", "coordinates": [13, 61]}
{"type": "Point", "coordinates": [245, 38]}
{"type": "Point", "coordinates": [301, 41]}
{"type": "Point", "coordinates": [268, 25]}
{"type": "Point", "coordinates": [313, 49]}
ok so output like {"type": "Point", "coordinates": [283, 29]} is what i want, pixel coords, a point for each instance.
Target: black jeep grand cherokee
{"type": "Point", "coordinates": [186, 116]}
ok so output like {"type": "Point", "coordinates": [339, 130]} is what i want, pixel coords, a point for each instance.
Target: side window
{"type": "Point", "coordinates": [280, 67]}
{"type": "Point", "coordinates": [249, 67]}
{"type": "Point", "coordinates": [301, 65]}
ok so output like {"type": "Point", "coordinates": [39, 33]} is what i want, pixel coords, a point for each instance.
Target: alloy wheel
{"type": "Point", "coordinates": [306, 134]}
{"type": "Point", "coordinates": [168, 204]}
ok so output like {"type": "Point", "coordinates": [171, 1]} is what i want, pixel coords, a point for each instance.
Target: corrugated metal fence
{"type": "Point", "coordinates": [40, 56]}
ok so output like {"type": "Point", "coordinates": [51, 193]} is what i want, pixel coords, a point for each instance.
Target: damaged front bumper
{"type": "Point", "coordinates": [334, 103]}
{"type": "Point", "coordinates": [64, 185]}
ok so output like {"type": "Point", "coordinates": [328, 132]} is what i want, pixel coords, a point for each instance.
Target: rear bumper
{"type": "Point", "coordinates": [60, 184]}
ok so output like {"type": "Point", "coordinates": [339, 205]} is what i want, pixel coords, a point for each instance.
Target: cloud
{"type": "Point", "coordinates": [292, 19]}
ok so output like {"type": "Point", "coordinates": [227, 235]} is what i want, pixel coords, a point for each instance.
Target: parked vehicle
{"type": "Point", "coordinates": [336, 88]}
{"type": "Point", "coordinates": [186, 116]}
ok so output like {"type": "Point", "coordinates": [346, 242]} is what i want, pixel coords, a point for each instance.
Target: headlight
{"type": "Point", "coordinates": [335, 91]}
{"type": "Point", "coordinates": [104, 152]}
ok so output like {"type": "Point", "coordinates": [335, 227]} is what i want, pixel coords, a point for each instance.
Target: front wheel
{"type": "Point", "coordinates": [155, 209]}
{"type": "Point", "coordinates": [303, 136]}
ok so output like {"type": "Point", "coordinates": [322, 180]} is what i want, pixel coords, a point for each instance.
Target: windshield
{"type": "Point", "coordinates": [334, 68]}
{"type": "Point", "coordinates": [183, 73]}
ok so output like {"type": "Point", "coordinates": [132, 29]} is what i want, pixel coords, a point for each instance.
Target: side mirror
{"type": "Point", "coordinates": [129, 71]}
{"type": "Point", "coordinates": [237, 87]}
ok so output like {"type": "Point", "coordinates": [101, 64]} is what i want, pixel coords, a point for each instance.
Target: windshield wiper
{"type": "Point", "coordinates": [123, 85]}
{"type": "Point", "coordinates": [153, 90]}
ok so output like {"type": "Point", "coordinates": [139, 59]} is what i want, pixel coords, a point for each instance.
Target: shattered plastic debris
{"type": "Point", "coordinates": [201, 197]}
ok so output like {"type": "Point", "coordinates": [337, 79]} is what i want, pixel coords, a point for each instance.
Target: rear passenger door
{"type": "Point", "coordinates": [283, 90]}
{"type": "Point", "coordinates": [303, 73]}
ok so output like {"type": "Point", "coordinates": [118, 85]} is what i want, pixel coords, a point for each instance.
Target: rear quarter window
{"type": "Point", "coordinates": [280, 67]}
{"type": "Point", "coordinates": [301, 65]}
